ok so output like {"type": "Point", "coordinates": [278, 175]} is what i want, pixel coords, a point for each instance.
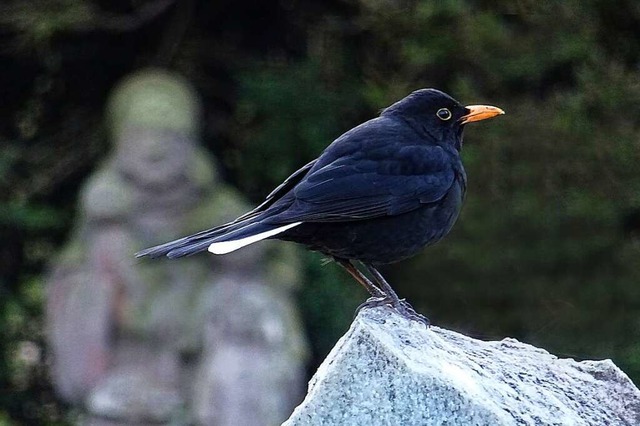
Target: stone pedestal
{"type": "Point", "coordinates": [387, 370]}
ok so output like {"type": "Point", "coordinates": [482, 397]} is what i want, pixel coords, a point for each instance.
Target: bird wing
{"type": "Point", "coordinates": [279, 191]}
{"type": "Point", "coordinates": [201, 240]}
{"type": "Point", "coordinates": [371, 183]}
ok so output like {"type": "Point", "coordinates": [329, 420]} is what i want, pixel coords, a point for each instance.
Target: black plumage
{"type": "Point", "coordinates": [378, 194]}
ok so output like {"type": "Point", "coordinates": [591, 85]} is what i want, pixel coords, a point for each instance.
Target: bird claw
{"type": "Point", "coordinates": [400, 306]}
{"type": "Point", "coordinates": [374, 302]}
{"type": "Point", "coordinates": [407, 311]}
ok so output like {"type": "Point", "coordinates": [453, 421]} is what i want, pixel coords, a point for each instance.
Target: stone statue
{"type": "Point", "coordinates": [204, 340]}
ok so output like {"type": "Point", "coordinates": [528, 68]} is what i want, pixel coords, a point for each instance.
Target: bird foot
{"type": "Point", "coordinates": [400, 306]}
{"type": "Point", "coordinates": [374, 302]}
{"type": "Point", "coordinates": [407, 311]}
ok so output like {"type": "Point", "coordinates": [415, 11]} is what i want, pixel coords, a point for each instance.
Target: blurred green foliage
{"type": "Point", "coordinates": [287, 121]}
{"type": "Point", "coordinates": [547, 248]}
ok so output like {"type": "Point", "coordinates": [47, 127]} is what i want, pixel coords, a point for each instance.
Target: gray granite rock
{"type": "Point", "coordinates": [389, 371]}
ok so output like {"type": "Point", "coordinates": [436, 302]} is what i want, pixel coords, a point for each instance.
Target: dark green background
{"type": "Point", "coordinates": [547, 248]}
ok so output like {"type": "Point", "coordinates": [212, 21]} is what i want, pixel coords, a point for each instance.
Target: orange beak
{"type": "Point", "coordinates": [480, 112]}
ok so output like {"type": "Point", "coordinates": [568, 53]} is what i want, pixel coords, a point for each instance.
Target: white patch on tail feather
{"type": "Point", "coordinates": [224, 247]}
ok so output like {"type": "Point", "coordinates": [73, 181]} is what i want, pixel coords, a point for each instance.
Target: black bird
{"type": "Point", "coordinates": [378, 194]}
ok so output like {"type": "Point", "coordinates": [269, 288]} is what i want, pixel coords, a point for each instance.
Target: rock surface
{"type": "Point", "coordinates": [390, 371]}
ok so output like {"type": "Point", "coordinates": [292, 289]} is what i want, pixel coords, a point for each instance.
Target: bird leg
{"type": "Point", "coordinates": [391, 298]}
{"type": "Point", "coordinates": [375, 292]}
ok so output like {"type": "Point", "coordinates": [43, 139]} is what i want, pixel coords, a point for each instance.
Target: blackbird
{"type": "Point", "coordinates": [376, 195]}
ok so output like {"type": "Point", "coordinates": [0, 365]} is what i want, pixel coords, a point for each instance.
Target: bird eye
{"type": "Point", "coordinates": [443, 114]}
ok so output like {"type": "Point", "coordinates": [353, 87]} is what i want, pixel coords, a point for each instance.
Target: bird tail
{"type": "Point", "coordinates": [220, 240]}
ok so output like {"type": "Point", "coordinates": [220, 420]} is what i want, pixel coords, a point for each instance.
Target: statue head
{"type": "Point", "coordinates": [154, 120]}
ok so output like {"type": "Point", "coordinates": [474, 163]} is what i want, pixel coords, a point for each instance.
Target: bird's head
{"type": "Point", "coordinates": [438, 116]}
